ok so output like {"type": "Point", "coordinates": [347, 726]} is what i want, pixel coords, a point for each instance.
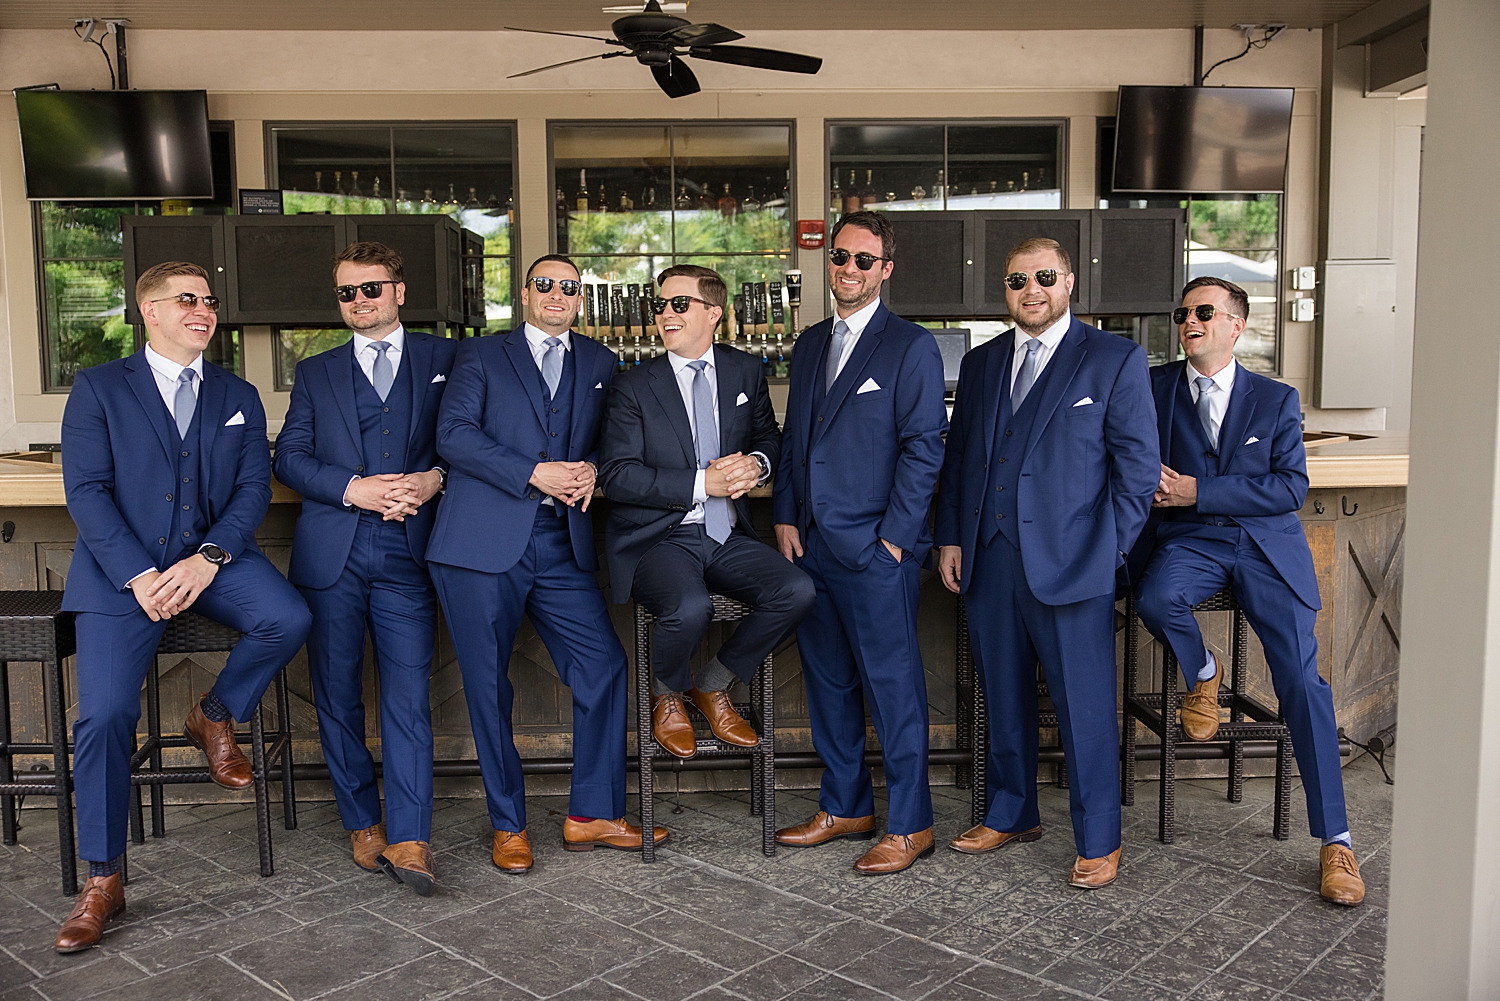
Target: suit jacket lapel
{"type": "Point", "coordinates": [664, 385]}
{"type": "Point", "coordinates": [582, 348]}
{"type": "Point", "coordinates": [869, 339]}
{"type": "Point", "coordinates": [419, 355]}
{"type": "Point", "coordinates": [997, 386]}
{"type": "Point", "coordinates": [729, 383]}
{"type": "Point", "coordinates": [340, 369]}
{"type": "Point", "coordinates": [143, 383]}
{"type": "Point", "coordinates": [519, 353]}
{"type": "Point", "coordinates": [211, 415]}
{"type": "Point", "coordinates": [1058, 375]}
{"type": "Point", "coordinates": [1236, 418]}
{"type": "Point", "coordinates": [1165, 393]}
{"type": "Point", "coordinates": [807, 378]}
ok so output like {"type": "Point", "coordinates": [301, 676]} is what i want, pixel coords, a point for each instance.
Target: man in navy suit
{"type": "Point", "coordinates": [1050, 468]}
{"type": "Point", "coordinates": [519, 427]}
{"type": "Point", "coordinates": [685, 436]}
{"type": "Point", "coordinates": [1233, 478]}
{"type": "Point", "coordinates": [860, 458]}
{"type": "Point", "coordinates": [168, 474]}
{"type": "Point", "coordinates": [360, 445]}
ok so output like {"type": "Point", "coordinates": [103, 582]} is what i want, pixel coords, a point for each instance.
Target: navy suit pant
{"type": "Point", "coordinates": [387, 593]}
{"type": "Point", "coordinates": [114, 653]}
{"type": "Point", "coordinates": [1192, 563]}
{"type": "Point", "coordinates": [1012, 631]}
{"type": "Point", "coordinates": [565, 605]}
{"type": "Point", "coordinates": [859, 647]}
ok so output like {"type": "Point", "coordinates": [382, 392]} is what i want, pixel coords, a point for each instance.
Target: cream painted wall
{"type": "Point", "coordinates": [254, 77]}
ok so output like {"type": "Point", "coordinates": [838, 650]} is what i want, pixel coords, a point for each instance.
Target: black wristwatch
{"type": "Point", "coordinates": [765, 466]}
{"type": "Point", "coordinates": [213, 554]}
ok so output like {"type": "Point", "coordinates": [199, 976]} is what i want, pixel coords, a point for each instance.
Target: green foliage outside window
{"type": "Point", "coordinates": [83, 288]}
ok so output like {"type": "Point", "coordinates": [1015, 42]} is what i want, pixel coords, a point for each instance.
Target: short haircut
{"type": "Point", "coordinates": [1037, 244]}
{"type": "Point", "coordinates": [155, 278]}
{"type": "Point", "coordinates": [711, 287]}
{"type": "Point", "coordinates": [870, 222]}
{"type": "Point", "coordinates": [559, 258]}
{"type": "Point", "coordinates": [370, 252]}
{"type": "Point", "coordinates": [1238, 300]}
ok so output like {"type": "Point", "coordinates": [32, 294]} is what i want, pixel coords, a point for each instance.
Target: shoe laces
{"type": "Point", "coordinates": [90, 891]}
{"type": "Point", "coordinates": [906, 842]}
{"type": "Point", "coordinates": [1343, 859]}
{"type": "Point", "coordinates": [671, 707]}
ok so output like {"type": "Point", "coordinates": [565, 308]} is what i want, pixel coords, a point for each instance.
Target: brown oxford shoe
{"type": "Point", "coordinates": [368, 844]}
{"type": "Point", "coordinates": [227, 764]}
{"type": "Point", "coordinates": [894, 853]}
{"type": "Point", "coordinates": [1200, 707]}
{"type": "Point", "coordinates": [620, 834]}
{"type": "Point", "coordinates": [1341, 882]}
{"type": "Point", "coordinates": [102, 900]}
{"type": "Point", "coordinates": [511, 852]}
{"type": "Point", "coordinates": [671, 726]}
{"type": "Point", "coordinates": [410, 862]}
{"type": "Point", "coordinates": [1092, 873]}
{"type": "Point", "coordinates": [727, 724]}
{"type": "Point", "coordinates": [981, 839]}
{"type": "Point", "coordinates": [825, 827]}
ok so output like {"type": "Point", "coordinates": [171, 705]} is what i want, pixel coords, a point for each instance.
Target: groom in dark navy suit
{"type": "Point", "coordinates": [360, 445]}
{"type": "Point", "coordinates": [1233, 477]}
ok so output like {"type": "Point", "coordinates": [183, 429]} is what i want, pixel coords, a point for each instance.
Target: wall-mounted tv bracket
{"type": "Point", "coordinates": [119, 70]}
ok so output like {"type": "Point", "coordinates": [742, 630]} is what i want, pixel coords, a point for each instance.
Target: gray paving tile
{"type": "Point", "coordinates": [714, 945]}
{"type": "Point", "coordinates": [336, 951]}
{"type": "Point", "coordinates": [1133, 989]}
{"type": "Point", "coordinates": [667, 975]}
{"type": "Point", "coordinates": [1342, 975]}
{"type": "Point", "coordinates": [107, 973]}
{"type": "Point", "coordinates": [775, 978]}
{"type": "Point", "coordinates": [835, 988]}
{"type": "Point", "coordinates": [843, 943]}
{"type": "Point", "coordinates": [907, 968]}
{"type": "Point", "coordinates": [998, 982]}
{"type": "Point", "coordinates": [435, 975]}
{"type": "Point", "coordinates": [1223, 988]}
{"type": "Point", "coordinates": [157, 955]}
{"type": "Point", "coordinates": [210, 979]}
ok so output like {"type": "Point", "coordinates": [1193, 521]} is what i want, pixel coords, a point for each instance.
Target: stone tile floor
{"type": "Point", "coordinates": [1226, 912]}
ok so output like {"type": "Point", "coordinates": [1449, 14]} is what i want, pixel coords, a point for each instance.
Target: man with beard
{"type": "Point", "coordinates": [1050, 467]}
{"type": "Point", "coordinates": [860, 457]}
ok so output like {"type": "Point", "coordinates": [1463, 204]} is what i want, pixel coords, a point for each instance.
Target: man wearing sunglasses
{"type": "Point", "coordinates": [1233, 477]}
{"type": "Point", "coordinates": [168, 474]}
{"type": "Point", "coordinates": [360, 445]}
{"type": "Point", "coordinates": [685, 436]}
{"type": "Point", "coordinates": [520, 428]}
{"type": "Point", "coordinates": [860, 458]}
{"type": "Point", "coordinates": [1050, 467]}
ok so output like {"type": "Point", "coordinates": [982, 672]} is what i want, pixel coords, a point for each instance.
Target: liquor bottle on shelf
{"type": "Point", "coordinates": [627, 204]}
{"type": "Point", "coordinates": [510, 211]}
{"type": "Point", "coordinates": [338, 182]}
{"type": "Point", "coordinates": [706, 200]}
{"type": "Point", "coordinates": [851, 196]}
{"type": "Point", "coordinates": [1010, 185]}
{"type": "Point", "coordinates": [562, 206]}
{"type": "Point", "coordinates": [403, 204]}
{"type": "Point", "coordinates": [836, 198]}
{"type": "Point", "coordinates": [751, 203]}
{"type": "Point", "coordinates": [918, 193]}
{"type": "Point", "coordinates": [649, 197]}
{"type": "Point", "coordinates": [731, 319]}
{"type": "Point", "coordinates": [375, 187]}
{"type": "Point", "coordinates": [1041, 173]}
{"type": "Point", "coordinates": [601, 201]}
{"type": "Point", "coordinates": [354, 189]}
{"type": "Point", "coordinates": [684, 203]}
{"type": "Point", "coordinates": [452, 201]}
{"type": "Point", "coordinates": [993, 186]}
{"type": "Point", "coordinates": [318, 181]}
{"type": "Point", "coordinates": [1025, 180]}
{"type": "Point", "coordinates": [581, 200]}
{"type": "Point", "coordinates": [868, 195]}
{"type": "Point", "coordinates": [472, 205]}
{"type": "Point", "coordinates": [940, 189]}
{"type": "Point", "coordinates": [728, 205]}
{"type": "Point", "coordinates": [890, 197]}
{"type": "Point", "coordinates": [429, 203]}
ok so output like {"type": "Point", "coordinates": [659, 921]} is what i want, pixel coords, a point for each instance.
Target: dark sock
{"type": "Point", "coordinates": [715, 677]}
{"type": "Point", "coordinates": [215, 710]}
{"type": "Point", "coordinates": [581, 820]}
{"type": "Point", "coordinates": [109, 868]}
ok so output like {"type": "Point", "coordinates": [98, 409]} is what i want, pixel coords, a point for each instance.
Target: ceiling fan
{"type": "Point", "coordinates": [661, 40]}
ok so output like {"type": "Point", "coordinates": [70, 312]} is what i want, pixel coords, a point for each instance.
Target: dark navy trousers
{"type": "Point", "coordinates": [387, 593]}
{"type": "Point", "coordinates": [565, 605]}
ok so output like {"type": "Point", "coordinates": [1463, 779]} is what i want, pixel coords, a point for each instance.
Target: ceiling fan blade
{"type": "Point", "coordinates": [570, 62]}
{"type": "Point", "coordinates": [766, 59]}
{"type": "Point", "coordinates": [700, 34]}
{"type": "Point", "coordinates": [567, 34]}
{"type": "Point", "coordinates": [675, 79]}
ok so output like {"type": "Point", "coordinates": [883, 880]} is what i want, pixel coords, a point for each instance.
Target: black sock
{"type": "Point", "coordinates": [215, 710]}
{"type": "Point", "coordinates": [109, 868]}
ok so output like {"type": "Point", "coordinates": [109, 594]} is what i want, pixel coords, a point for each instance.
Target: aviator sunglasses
{"type": "Point", "coordinates": [1205, 312]}
{"type": "Point", "coordinates": [372, 290]}
{"type": "Point", "coordinates": [189, 300]}
{"type": "Point", "coordinates": [1046, 278]}
{"type": "Point", "coordinates": [568, 286]}
{"type": "Point", "coordinates": [680, 304]}
{"type": "Point", "coordinates": [863, 261]}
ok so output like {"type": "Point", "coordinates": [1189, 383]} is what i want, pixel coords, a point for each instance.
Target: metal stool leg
{"type": "Point", "coordinates": [153, 734]}
{"type": "Point", "coordinates": [137, 821]}
{"type": "Point", "coordinates": [1127, 721]}
{"type": "Point", "coordinates": [10, 821]}
{"type": "Point", "coordinates": [284, 738]}
{"type": "Point", "coordinates": [645, 739]}
{"type": "Point", "coordinates": [980, 756]}
{"type": "Point", "coordinates": [1281, 824]}
{"type": "Point", "coordinates": [757, 759]}
{"type": "Point", "coordinates": [963, 775]}
{"type": "Point", "coordinates": [1239, 644]}
{"type": "Point", "coordinates": [765, 753]}
{"type": "Point", "coordinates": [262, 794]}
{"type": "Point", "coordinates": [62, 776]}
{"type": "Point", "coordinates": [1166, 825]}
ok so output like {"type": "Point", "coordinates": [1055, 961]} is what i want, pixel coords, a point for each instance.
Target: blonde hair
{"type": "Point", "coordinates": [155, 278]}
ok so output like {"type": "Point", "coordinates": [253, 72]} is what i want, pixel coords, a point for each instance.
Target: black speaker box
{"type": "Point", "coordinates": [153, 240]}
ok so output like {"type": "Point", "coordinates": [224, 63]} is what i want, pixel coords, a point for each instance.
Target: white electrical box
{"type": "Point", "coordinates": [1303, 279]}
{"type": "Point", "coordinates": [1356, 335]}
{"type": "Point", "coordinates": [1301, 310]}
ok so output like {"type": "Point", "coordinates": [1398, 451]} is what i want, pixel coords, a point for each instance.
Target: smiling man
{"type": "Point", "coordinates": [167, 474]}
{"type": "Point", "coordinates": [685, 436]}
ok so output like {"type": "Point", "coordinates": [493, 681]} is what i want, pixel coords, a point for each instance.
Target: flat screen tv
{"type": "Point", "coordinates": [115, 145]}
{"type": "Point", "coordinates": [1202, 139]}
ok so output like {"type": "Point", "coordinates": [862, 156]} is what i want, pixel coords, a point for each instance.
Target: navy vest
{"type": "Point", "coordinates": [189, 520]}
{"type": "Point", "coordinates": [384, 427]}
{"type": "Point", "coordinates": [557, 413]}
{"type": "Point", "coordinates": [1190, 453]}
{"type": "Point", "coordinates": [1012, 431]}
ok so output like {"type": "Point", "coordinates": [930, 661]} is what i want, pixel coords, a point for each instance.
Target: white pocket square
{"type": "Point", "coordinates": [598, 385]}
{"type": "Point", "coordinates": [440, 377]}
{"type": "Point", "coordinates": [1252, 440]}
{"type": "Point", "coordinates": [238, 418]}
{"type": "Point", "coordinates": [1084, 402]}
{"type": "Point", "coordinates": [741, 400]}
{"type": "Point", "coordinates": [869, 387]}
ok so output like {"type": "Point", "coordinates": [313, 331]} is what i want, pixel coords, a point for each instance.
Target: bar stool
{"type": "Point", "coordinates": [33, 627]}
{"type": "Point", "coordinates": [760, 713]}
{"type": "Point", "coordinates": [192, 633]}
{"type": "Point", "coordinates": [1249, 719]}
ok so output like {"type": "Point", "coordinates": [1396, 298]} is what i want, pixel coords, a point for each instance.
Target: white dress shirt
{"type": "Point", "coordinates": [536, 340]}
{"type": "Point", "coordinates": [1218, 393]}
{"type": "Point", "coordinates": [1050, 338]}
{"type": "Point", "coordinates": [856, 322]}
{"type": "Point", "coordinates": [167, 373]}
{"type": "Point", "coordinates": [685, 376]}
{"type": "Point", "coordinates": [365, 355]}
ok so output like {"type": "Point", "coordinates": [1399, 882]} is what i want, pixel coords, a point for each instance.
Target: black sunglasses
{"type": "Point", "coordinates": [372, 290]}
{"type": "Point", "coordinates": [189, 300]}
{"type": "Point", "coordinates": [1205, 312]}
{"type": "Point", "coordinates": [680, 304]}
{"type": "Point", "coordinates": [543, 285]}
{"type": "Point", "coordinates": [864, 261]}
{"type": "Point", "coordinates": [1046, 278]}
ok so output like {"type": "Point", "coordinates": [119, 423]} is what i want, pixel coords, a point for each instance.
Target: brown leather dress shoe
{"type": "Point", "coordinates": [671, 726]}
{"type": "Point", "coordinates": [368, 844]}
{"type": "Point", "coordinates": [727, 724]}
{"type": "Point", "coordinates": [227, 764]}
{"type": "Point", "coordinates": [1092, 873]}
{"type": "Point", "coordinates": [620, 834]}
{"type": "Point", "coordinates": [894, 853]}
{"type": "Point", "coordinates": [981, 839]}
{"type": "Point", "coordinates": [1200, 707]}
{"type": "Point", "coordinates": [1341, 882]}
{"type": "Point", "coordinates": [410, 862]}
{"type": "Point", "coordinates": [102, 899]}
{"type": "Point", "coordinates": [511, 852]}
{"type": "Point", "coordinates": [825, 827]}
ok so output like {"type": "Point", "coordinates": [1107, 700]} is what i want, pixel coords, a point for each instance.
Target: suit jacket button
{"type": "Point", "coordinates": [187, 535]}
{"type": "Point", "coordinates": [1007, 432]}
{"type": "Point", "coordinates": [820, 421]}
{"type": "Point", "coordinates": [999, 517]}
{"type": "Point", "coordinates": [359, 469]}
{"type": "Point", "coordinates": [187, 507]}
{"type": "Point", "coordinates": [999, 490]}
{"type": "Point", "coordinates": [169, 496]}
{"type": "Point", "coordinates": [1002, 461]}
{"type": "Point", "coordinates": [533, 495]}
{"type": "Point", "coordinates": [184, 455]}
{"type": "Point", "coordinates": [554, 434]}
{"type": "Point", "coordinates": [976, 510]}
{"type": "Point", "coordinates": [162, 541]}
{"type": "Point", "coordinates": [541, 455]}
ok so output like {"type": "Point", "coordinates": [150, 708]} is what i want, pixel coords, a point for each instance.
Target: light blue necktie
{"type": "Point", "coordinates": [552, 363]}
{"type": "Point", "coordinates": [186, 401]}
{"type": "Point", "coordinates": [706, 444]}
{"type": "Point", "coordinates": [382, 375]}
{"type": "Point", "coordinates": [1027, 376]}
{"type": "Point", "coordinates": [835, 352]}
{"type": "Point", "coordinates": [1205, 412]}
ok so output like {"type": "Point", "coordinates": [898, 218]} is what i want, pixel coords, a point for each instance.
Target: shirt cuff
{"type": "Point", "coordinates": [345, 498]}
{"type": "Point", "coordinates": [138, 577]}
{"type": "Point", "coordinates": [700, 487]}
{"type": "Point", "coordinates": [767, 474]}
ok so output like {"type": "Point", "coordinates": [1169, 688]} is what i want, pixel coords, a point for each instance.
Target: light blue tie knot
{"type": "Point", "coordinates": [382, 376]}
{"type": "Point", "coordinates": [1026, 378]}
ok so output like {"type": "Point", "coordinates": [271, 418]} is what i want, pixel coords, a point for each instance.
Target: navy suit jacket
{"type": "Point", "coordinates": [1261, 484]}
{"type": "Point", "coordinates": [649, 460]}
{"type": "Point", "coordinates": [120, 476]}
{"type": "Point", "coordinates": [318, 451]}
{"type": "Point", "coordinates": [490, 429]}
{"type": "Point", "coordinates": [1089, 471]}
{"type": "Point", "coordinates": [863, 465]}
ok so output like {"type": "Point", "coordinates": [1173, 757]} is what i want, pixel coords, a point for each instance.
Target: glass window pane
{"type": "Point", "coordinates": [462, 170]}
{"type": "Point", "coordinates": [740, 175]}
{"type": "Point", "coordinates": [1004, 166]}
{"type": "Point", "coordinates": [341, 171]}
{"type": "Point", "coordinates": [885, 167]}
{"type": "Point", "coordinates": [1236, 221]}
{"type": "Point", "coordinates": [613, 188]}
{"type": "Point", "coordinates": [82, 230]}
{"type": "Point", "coordinates": [85, 308]}
{"type": "Point", "coordinates": [225, 351]}
{"type": "Point", "coordinates": [293, 345]}
{"type": "Point", "coordinates": [499, 314]}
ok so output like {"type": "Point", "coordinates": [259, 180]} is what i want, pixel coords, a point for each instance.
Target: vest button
{"type": "Point", "coordinates": [169, 496]}
{"type": "Point", "coordinates": [554, 410]}
{"type": "Point", "coordinates": [1007, 432]}
{"type": "Point", "coordinates": [184, 455]}
{"type": "Point", "coordinates": [386, 409]}
{"type": "Point", "coordinates": [541, 455]}
{"type": "Point", "coordinates": [187, 507]}
{"type": "Point", "coordinates": [187, 535]}
{"type": "Point", "coordinates": [386, 431]}
{"type": "Point", "coordinates": [186, 480]}
{"type": "Point", "coordinates": [387, 455]}
{"type": "Point", "coordinates": [999, 517]}
{"type": "Point", "coordinates": [554, 434]}
{"type": "Point", "coordinates": [359, 469]}
{"type": "Point", "coordinates": [999, 490]}
{"type": "Point", "coordinates": [162, 541]}
{"type": "Point", "coordinates": [533, 495]}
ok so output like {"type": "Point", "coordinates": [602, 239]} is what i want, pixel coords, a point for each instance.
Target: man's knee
{"type": "Point", "coordinates": [1157, 602]}
{"type": "Point", "coordinates": [690, 613]}
{"type": "Point", "coordinates": [798, 593]}
{"type": "Point", "coordinates": [286, 624]}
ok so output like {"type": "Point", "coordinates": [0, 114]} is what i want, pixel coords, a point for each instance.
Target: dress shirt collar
{"type": "Point", "coordinates": [396, 339]}
{"type": "Point", "coordinates": [1050, 338]}
{"type": "Point", "coordinates": [537, 338]}
{"type": "Point", "coordinates": [679, 363]}
{"type": "Point", "coordinates": [168, 369]}
{"type": "Point", "coordinates": [858, 321]}
{"type": "Point", "coordinates": [1224, 379]}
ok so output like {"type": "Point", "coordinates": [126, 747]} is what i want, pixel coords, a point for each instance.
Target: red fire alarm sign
{"type": "Point", "coordinates": [810, 233]}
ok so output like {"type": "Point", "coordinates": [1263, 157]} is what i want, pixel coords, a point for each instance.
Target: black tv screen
{"type": "Point", "coordinates": [115, 145]}
{"type": "Point", "coordinates": [1202, 139]}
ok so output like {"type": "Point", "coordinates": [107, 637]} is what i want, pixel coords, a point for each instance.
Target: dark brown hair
{"type": "Point", "coordinates": [154, 278]}
{"type": "Point", "coordinates": [370, 252]}
{"type": "Point", "coordinates": [1238, 300]}
{"type": "Point", "coordinates": [870, 222]}
{"type": "Point", "coordinates": [1037, 244]}
{"type": "Point", "coordinates": [711, 287]}
{"type": "Point", "coordinates": [559, 258]}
